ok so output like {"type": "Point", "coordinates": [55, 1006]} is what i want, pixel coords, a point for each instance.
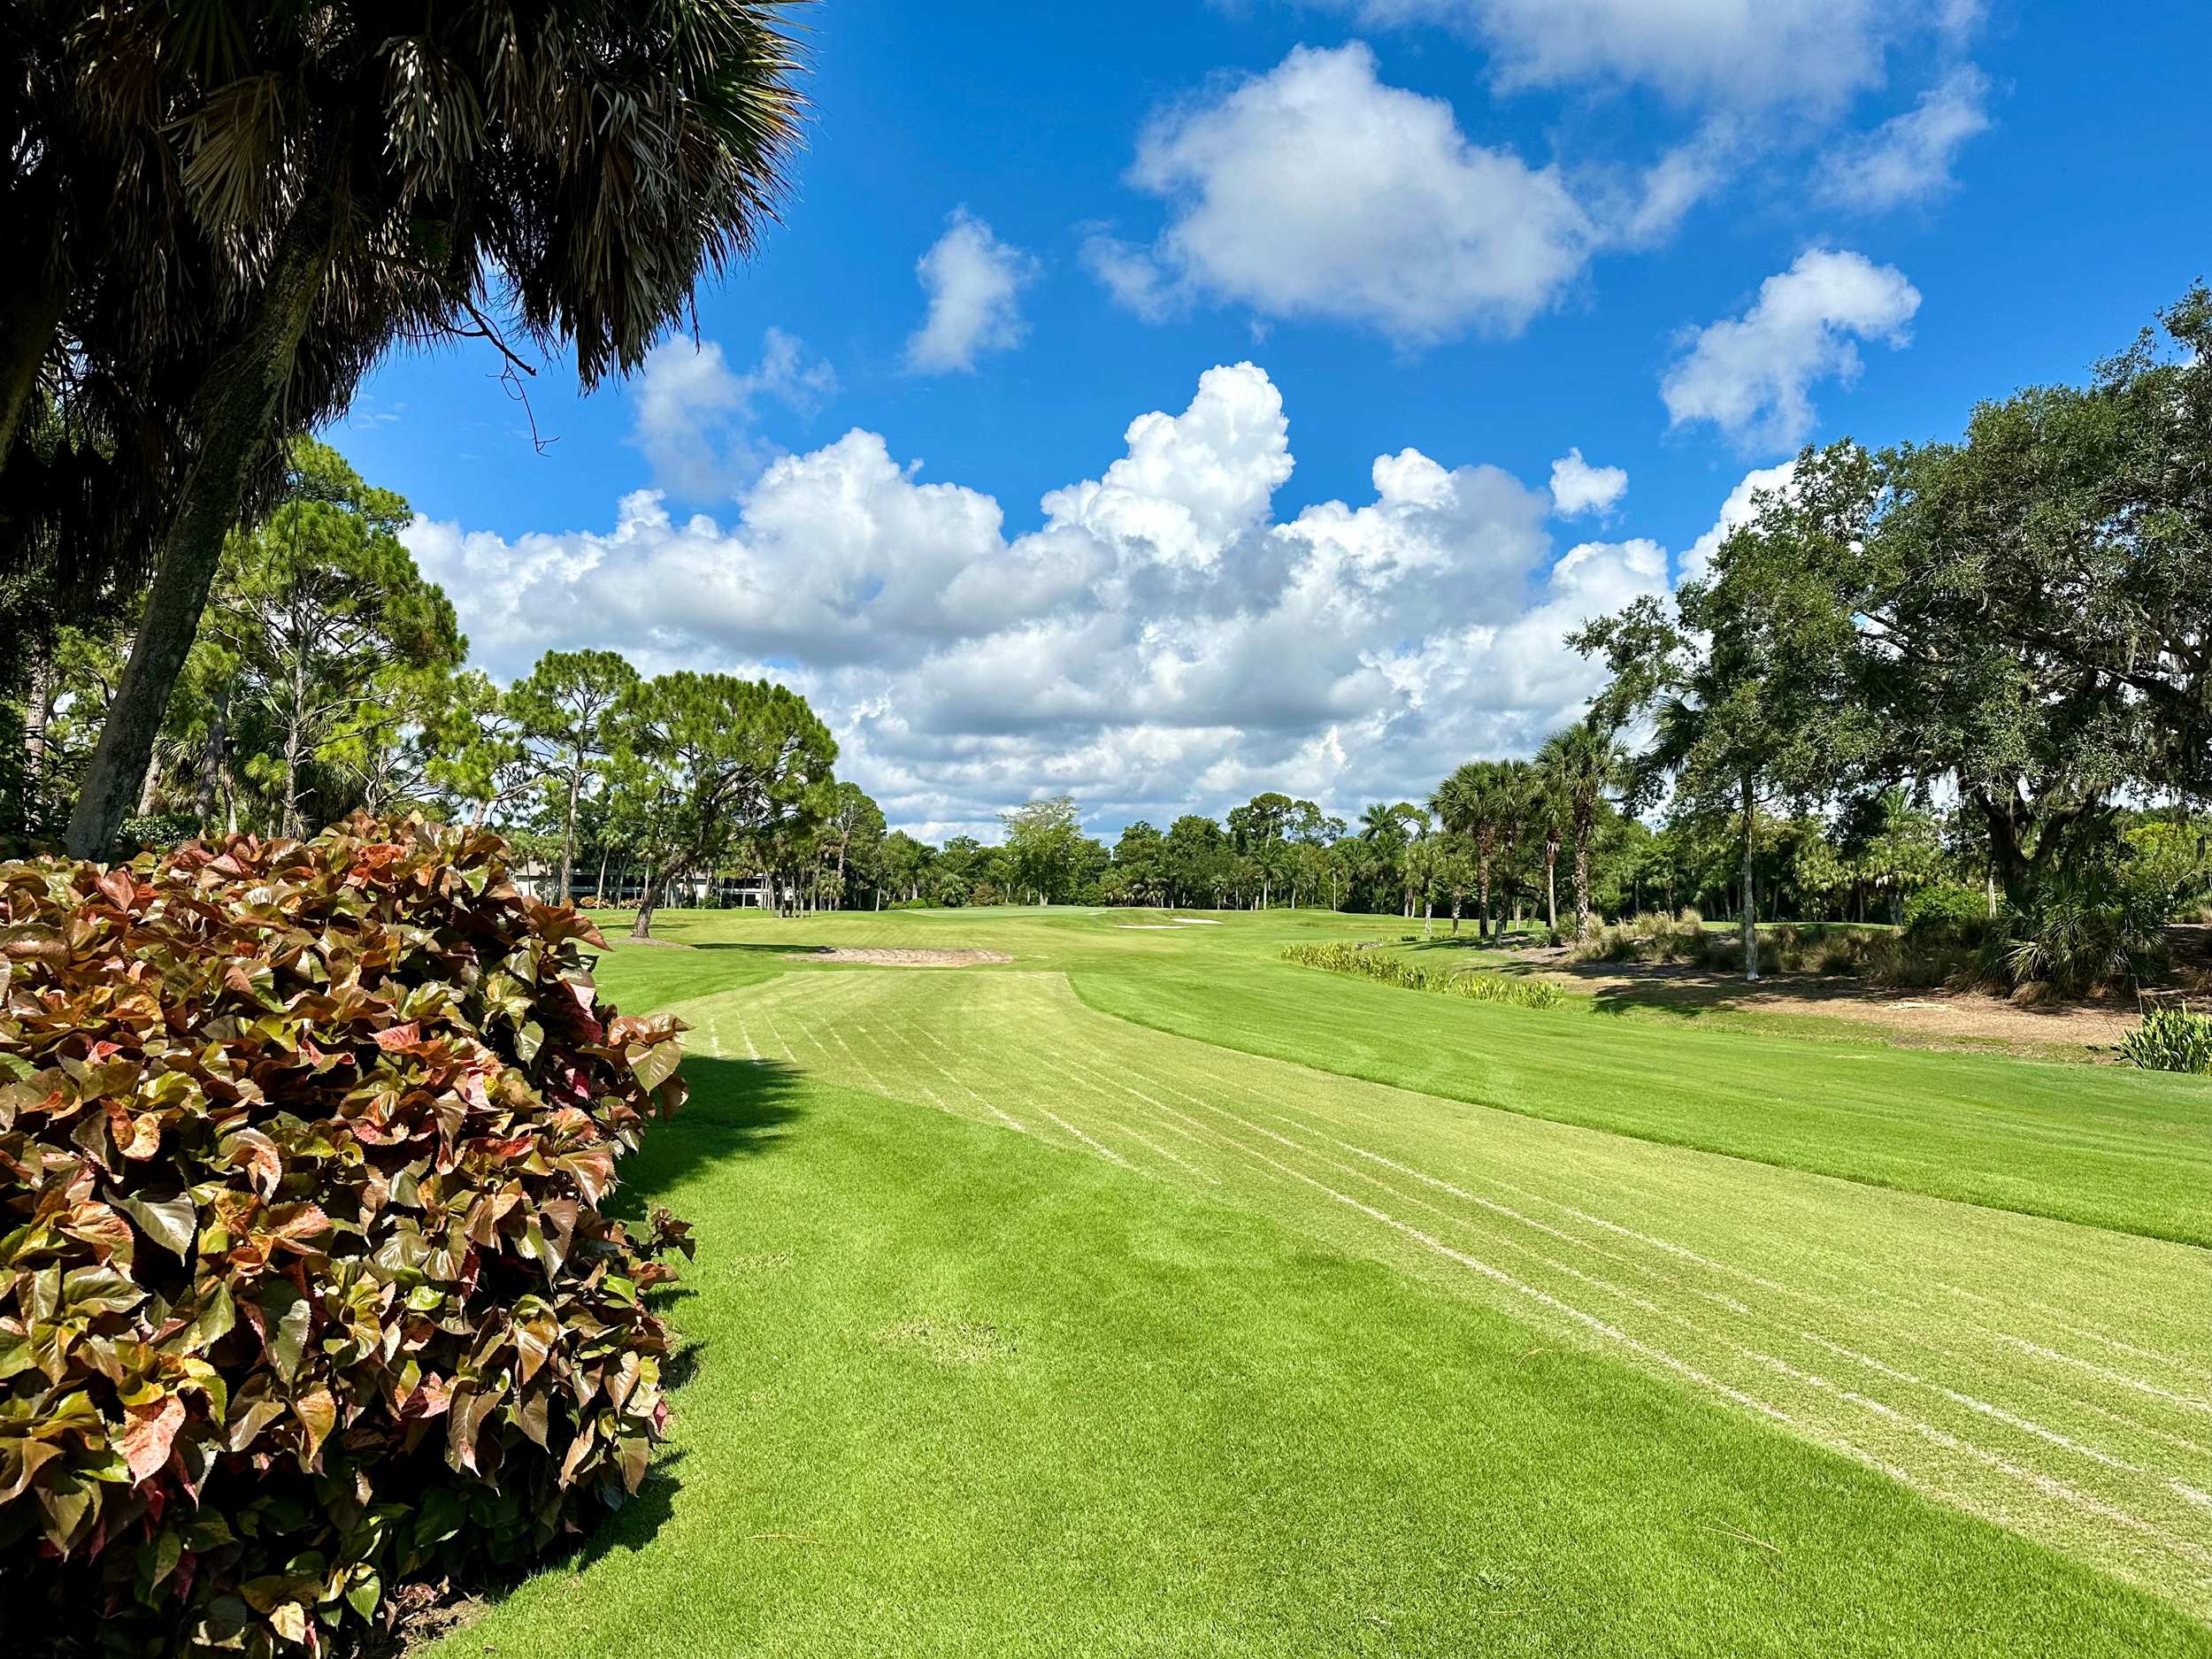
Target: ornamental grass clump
{"type": "Point", "coordinates": [1410, 976]}
{"type": "Point", "coordinates": [306, 1290]}
{"type": "Point", "coordinates": [2172, 1040]}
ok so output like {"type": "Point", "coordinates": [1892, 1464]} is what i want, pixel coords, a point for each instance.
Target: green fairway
{"type": "Point", "coordinates": [1024, 1327]}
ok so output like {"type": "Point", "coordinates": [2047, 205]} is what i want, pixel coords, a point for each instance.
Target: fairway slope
{"type": "Point", "coordinates": [964, 1391]}
{"type": "Point", "coordinates": [2053, 1377]}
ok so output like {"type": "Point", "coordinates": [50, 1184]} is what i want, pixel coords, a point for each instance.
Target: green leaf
{"type": "Point", "coordinates": [290, 1315]}
{"type": "Point", "coordinates": [363, 1594]}
{"type": "Point", "coordinates": [168, 1222]}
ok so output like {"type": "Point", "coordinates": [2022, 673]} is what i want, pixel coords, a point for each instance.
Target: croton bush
{"type": "Point", "coordinates": [307, 1295]}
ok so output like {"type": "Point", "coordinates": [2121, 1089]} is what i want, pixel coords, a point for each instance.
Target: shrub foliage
{"type": "Point", "coordinates": [2172, 1040]}
{"type": "Point", "coordinates": [306, 1291]}
{"type": "Point", "coordinates": [1412, 976]}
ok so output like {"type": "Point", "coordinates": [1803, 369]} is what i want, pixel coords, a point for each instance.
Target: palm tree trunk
{"type": "Point", "coordinates": [30, 312]}
{"type": "Point", "coordinates": [38, 708]}
{"type": "Point", "coordinates": [1582, 875]}
{"type": "Point", "coordinates": [1551, 885]}
{"type": "Point", "coordinates": [1748, 921]}
{"type": "Point", "coordinates": [600, 892]}
{"type": "Point", "coordinates": [236, 413]}
{"type": "Point", "coordinates": [1482, 881]}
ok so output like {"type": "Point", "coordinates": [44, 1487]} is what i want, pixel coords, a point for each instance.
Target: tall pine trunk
{"type": "Point", "coordinates": [568, 827]}
{"type": "Point", "coordinates": [236, 414]}
{"type": "Point", "coordinates": [1748, 919]}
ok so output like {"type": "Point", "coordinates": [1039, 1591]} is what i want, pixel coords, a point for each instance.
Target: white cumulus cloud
{"type": "Point", "coordinates": [1908, 159]}
{"type": "Point", "coordinates": [696, 415]}
{"type": "Point", "coordinates": [1810, 55]}
{"type": "Point", "coordinates": [1316, 191]}
{"type": "Point", "coordinates": [974, 283]}
{"type": "Point", "coordinates": [1159, 639]}
{"type": "Point", "coordinates": [1752, 375]}
{"type": "Point", "coordinates": [1578, 487]}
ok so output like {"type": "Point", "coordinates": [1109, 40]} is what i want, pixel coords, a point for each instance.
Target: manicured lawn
{"type": "Point", "coordinates": [960, 1392]}
{"type": "Point", "coordinates": [1023, 1327]}
{"type": "Point", "coordinates": [2112, 1147]}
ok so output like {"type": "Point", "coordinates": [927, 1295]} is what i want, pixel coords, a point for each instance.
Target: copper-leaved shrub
{"type": "Point", "coordinates": [306, 1293]}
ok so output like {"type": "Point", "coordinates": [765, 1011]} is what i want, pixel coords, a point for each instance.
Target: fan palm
{"type": "Point", "coordinates": [1580, 764]}
{"type": "Point", "coordinates": [583, 163]}
{"type": "Point", "coordinates": [1468, 804]}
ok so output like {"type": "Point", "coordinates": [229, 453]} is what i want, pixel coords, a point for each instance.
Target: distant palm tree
{"type": "Point", "coordinates": [1519, 786]}
{"type": "Point", "coordinates": [1470, 803]}
{"type": "Point", "coordinates": [1580, 764]}
{"type": "Point", "coordinates": [1379, 823]}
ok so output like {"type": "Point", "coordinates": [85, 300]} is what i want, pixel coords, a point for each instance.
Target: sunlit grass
{"type": "Point", "coordinates": [1022, 1328]}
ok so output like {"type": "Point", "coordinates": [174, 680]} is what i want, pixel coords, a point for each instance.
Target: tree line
{"type": "Point", "coordinates": [327, 674]}
{"type": "Point", "coordinates": [224, 216]}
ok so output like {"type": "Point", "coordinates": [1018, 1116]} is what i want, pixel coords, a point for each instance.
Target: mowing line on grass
{"type": "Point", "coordinates": [1850, 1269]}
{"type": "Point", "coordinates": [2096, 1369]}
{"type": "Point", "coordinates": [1967, 1400]}
{"type": "Point", "coordinates": [1010, 1121]}
{"type": "Point", "coordinates": [1956, 1396]}
{"type": "Point", "coordinates": [2048, 1486]}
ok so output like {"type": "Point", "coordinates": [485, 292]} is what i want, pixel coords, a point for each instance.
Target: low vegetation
{"type": "Point", "coordinates": [1341, 957]}
{"type": "Point", "coordinates": [306, 1287]}
{"type": "Point", "coordinates": [2172, 1040]}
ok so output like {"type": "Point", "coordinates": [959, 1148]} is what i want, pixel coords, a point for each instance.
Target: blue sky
{"type": "Point", "coordinates": [1671, 238]}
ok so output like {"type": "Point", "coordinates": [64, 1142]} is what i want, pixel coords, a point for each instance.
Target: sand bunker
{"type": "Point", "coordinates": [905, 958]}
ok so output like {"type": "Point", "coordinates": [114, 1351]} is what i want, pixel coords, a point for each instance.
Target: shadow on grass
{"type": "Point", "coordinates": [738, 1109]}
{"type": "Point", "coordinates": [771, 948]}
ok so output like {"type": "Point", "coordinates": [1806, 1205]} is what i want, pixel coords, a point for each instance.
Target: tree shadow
{"type": "Point", "coordinates": [738, 1109]}
{"type": "Point", "coordinates": [771, 949]}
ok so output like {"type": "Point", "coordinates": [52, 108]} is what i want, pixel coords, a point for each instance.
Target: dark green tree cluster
{"type": "Point", "coordinates": [222, 214]}
{"type": "Point", "coordinates": [2016, 627]}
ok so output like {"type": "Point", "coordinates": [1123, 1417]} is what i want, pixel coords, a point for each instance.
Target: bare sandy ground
{"type": "Point", "coordinates": [1973, 1016]}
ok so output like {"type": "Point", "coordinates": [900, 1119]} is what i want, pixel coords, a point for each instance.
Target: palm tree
{"type": "Point", "coordinates": [598, 157]}
{"type": "Point", "coordinates": [1467, 805]}
{"type": "Point", "coordinates": [1517, 789]}
{"type": "Point", "coordinates": [1580, 764]}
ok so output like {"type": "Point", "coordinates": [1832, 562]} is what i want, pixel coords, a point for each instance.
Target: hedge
{"type": "Point", "coordinates": [306, 1291]}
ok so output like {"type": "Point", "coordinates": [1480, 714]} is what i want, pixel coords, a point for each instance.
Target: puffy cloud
{"type": "Point", "coordinates": [974, 283]}
{"type": "Point", "coordinates": [1578, 487]}
{"type": "Point", "coordinates": [1752, 375]}
{"type": "Point", "coordinates": [1743, 502]}
{"type": "Point", "coordinates": [1191, 484]}
{"type": "Point", "coordinates": [1811, 55]}
{"type": "Point", "coordinates": [1160, 640]}
{"type": "Point", "coordinates": [1909, 158]}
{"type": "Point", "coordinates": [695, 416]}
{"type": "Point", "coordinates": [1316, 190]}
